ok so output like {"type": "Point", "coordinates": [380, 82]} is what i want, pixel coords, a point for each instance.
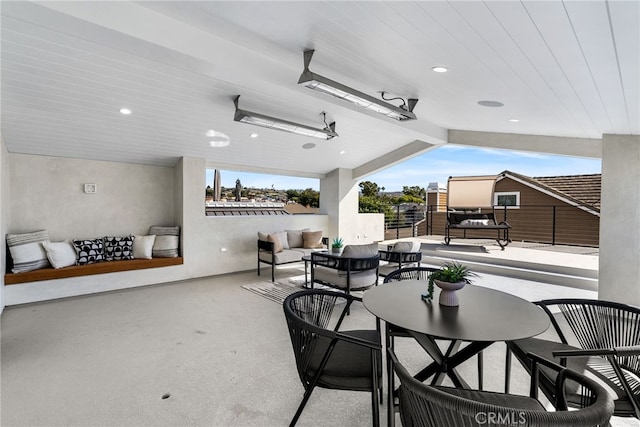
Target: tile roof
{"type": "Point", "coordinates": [583, 190]}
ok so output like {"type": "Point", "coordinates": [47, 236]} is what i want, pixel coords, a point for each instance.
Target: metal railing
{"type": "Point", "coordinates": [551, 224]}
{"type": "Point", "coordinates": [403, 220]}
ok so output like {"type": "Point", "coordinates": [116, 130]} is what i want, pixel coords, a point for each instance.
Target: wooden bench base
{"type": "Point", "coordinates": [90, 269]}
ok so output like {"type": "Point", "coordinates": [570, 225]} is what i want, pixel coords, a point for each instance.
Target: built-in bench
{"type": "Point", "coordinates": [478, 222]}
{"type": "Point", "coordinates": [89, 269]}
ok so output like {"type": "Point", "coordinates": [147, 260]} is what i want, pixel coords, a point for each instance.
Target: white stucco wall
{"type": "Point", "coordinates": [619, 269]}
{"type": "Point", "coordinates": [48, 193]}
{"type": "Point", "coordinates": [4, 214]}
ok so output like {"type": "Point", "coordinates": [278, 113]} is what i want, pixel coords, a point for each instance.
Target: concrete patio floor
{"type": "Point", "coordinates": [218, 354]}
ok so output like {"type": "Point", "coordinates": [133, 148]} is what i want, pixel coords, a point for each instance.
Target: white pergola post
{"type": "Point", "coordinates": [619, 275]}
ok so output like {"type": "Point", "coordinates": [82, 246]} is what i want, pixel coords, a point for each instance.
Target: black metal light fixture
{"type": "Point", "coordinates": [317, 82]}
{"type": "Point", "coordinates": [263, 120]}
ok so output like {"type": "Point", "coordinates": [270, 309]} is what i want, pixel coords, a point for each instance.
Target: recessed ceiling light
{"type": "Point", "coordinates": [217, 143]}
{"type": "Point", "coordinates": [342, 152]}
{"type": "Point", "coordinates": [218, 139]}
{"type": "Point", "coordinates": [491, 103]}
{"type": "Point", "coordinates": [254, 135]}
{"type": "Point", "coordinates": [125, 111]}
{"type": "Point", "coordinates": [439, 69]}
{"type": "Point", "coordinates": [309, 145]}
{"type": "Point", "coordinates": [514, 120]}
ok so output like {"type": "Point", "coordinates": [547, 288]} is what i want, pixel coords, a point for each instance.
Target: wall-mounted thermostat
{"type": "Point", "coordinates": [90, 188]}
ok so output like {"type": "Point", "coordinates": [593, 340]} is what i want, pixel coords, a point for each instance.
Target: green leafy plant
{"type": "Point", "coordinates": [452, 272]}
{"type": "Point", "coordinates": [337, 243]}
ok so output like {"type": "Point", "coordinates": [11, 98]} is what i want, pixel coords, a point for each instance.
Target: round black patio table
{"type": "Point", "coordinates": [483, 317]}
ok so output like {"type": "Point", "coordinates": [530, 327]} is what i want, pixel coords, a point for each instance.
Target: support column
{"type": "Point", "coordinates": [339, 200]}
{"type": "Point", "coordinates": [619, 275]}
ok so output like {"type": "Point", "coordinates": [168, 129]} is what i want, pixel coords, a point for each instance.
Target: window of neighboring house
{"type": "Point", "coordinates": [509, 199]}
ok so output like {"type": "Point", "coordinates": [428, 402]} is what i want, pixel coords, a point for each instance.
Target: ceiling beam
{"type": "Point", "coordinates": [564, 146]}
{"type": "Point", "coordinates": [392, 158]}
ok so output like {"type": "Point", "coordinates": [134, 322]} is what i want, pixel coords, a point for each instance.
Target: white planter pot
{"type": "Point", "coordinates": [448, 296]}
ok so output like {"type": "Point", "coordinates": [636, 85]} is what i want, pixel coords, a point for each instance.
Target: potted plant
{"type": "Point", "coordinates": [449, 278]}
{"type": "Point", "coordinates": [336, 245]}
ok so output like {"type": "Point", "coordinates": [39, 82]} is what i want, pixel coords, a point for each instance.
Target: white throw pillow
{"type": "Point", "coordinates": [27, 251]}
{"type": "Point", "coordinates": [143, 246]}
{"type": "Point", "coordinates": [282, 235]}
{"type": "Point", "coordinates": [167, 241]}
{"type": "Point", "coordinates": [60, 254]}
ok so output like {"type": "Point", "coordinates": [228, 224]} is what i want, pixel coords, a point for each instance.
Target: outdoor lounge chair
{"type": "Point", "coordinates": [400, 254]}
{"type": "Point", "coordinates": [599, 338]}
{"type": "Point", "coordinates": [354, 270]}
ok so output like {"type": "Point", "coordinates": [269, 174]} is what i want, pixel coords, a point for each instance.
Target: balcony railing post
{"type": "Point", "coordinates": [397, 221]}
{"type": "Point", "coordinates": [553, 227]}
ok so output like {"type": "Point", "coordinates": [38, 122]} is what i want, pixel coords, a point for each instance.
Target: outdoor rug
{"type": "Point", "coordinates": [277, 291]}
{"type": "Point", "coordinates": [280, 289]}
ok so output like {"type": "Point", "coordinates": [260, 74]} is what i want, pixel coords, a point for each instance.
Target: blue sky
{"type": "Point", "coordinates": [437, 165]}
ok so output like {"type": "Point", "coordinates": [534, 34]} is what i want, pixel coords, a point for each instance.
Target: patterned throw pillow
{"type": "Point", "coordinates": [89, 251]}
{"type": "Point", "coordinates": [118, 248]}
{"type": "Point", "coordinates": [27, 251]}
{"type": "Point", "coordinates": [167, 241]}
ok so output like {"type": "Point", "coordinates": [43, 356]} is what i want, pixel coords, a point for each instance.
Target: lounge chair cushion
{"type": "Point", "coordinates": [360, 251]}
{"type": "Point", "coordinates": [359, 279]}
{"type": "Point", "coordinates": [294, 237]}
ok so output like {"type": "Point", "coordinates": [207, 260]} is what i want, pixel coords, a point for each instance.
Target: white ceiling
{"type": "Point", "coordinates": [563, 68]}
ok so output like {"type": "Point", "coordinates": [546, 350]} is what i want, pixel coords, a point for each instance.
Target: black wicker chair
{"type": "Point", "coordinates": [599, 338]}
{"type": "Point", "coordinates": [401, 254]}
{"type": "Point", "coordinates": [436, 406]}
{"type": "Point", "coordinates": [329, 358]}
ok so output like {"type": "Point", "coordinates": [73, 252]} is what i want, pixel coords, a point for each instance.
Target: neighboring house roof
{"type": "Point", "coordinates": [297, 208]}
{"type": "Point", "coordinates": [582, 191]}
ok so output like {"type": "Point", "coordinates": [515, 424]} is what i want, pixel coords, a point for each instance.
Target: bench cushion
{"type": "Point", "coordinates": [294, 237]}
